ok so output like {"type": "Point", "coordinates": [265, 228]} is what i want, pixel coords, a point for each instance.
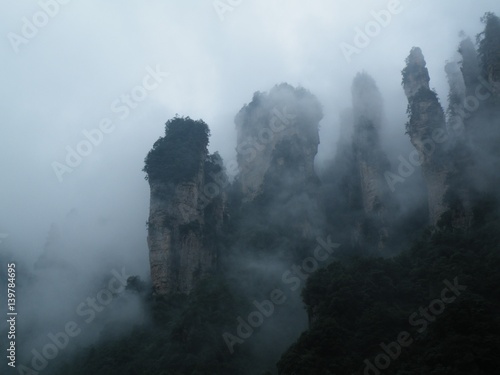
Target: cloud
{"type": "Point", "coordinates": [65, 79]}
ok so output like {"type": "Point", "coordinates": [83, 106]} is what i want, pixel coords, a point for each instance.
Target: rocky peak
{"type": "Point", "coordinates": [489, 50]}
{"type": "Point", "coordinates": [415, 75]}
{"type": "Point", "coordinates": [367, 109]}
{"type": "Point", "coordinates": [279, 125]}
{"type": "Point", "coordinates": [456, 112]}
{"type": "Point", "coordinates": [186, 209]}
{"type": "Point", "coordinates": [357, 184]}
{"type": "Point", "coordinates": [367, 104]}
{"type": "Point", "coordinates": [469, 65]}
{"type": "Point", "coordinates": [427, 129]}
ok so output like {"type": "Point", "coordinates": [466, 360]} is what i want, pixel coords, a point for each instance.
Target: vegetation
{"type": "Point", "coordinates": [413, 69]}
{"type": "Point", "coordinates": [177, 156]}
{"type": "Point", "coordinates": [359, 303]}
{"type": "Point", "coordinates": [183, 338]}
{"type": "Point", "coordinates": [355, 304]}
{"type": "Point", "coordinates": [435, 111]}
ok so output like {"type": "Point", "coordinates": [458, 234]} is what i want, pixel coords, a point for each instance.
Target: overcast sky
{"type": "Point", "coordinates": [68, 75]}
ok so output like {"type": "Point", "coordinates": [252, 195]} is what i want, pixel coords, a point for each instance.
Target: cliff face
{"type": "Point", "coordinates": [278, 140]}
{"type": "Point", "coordinates": [463, 79]}
{"type": "Point", "coordinates": [487, 135]}
{"type": "Point", "coordinates": [359, 189]}
{"type": "Point", "coordinates": [370, 160]}
{"type": "Point", "coordinates": [186, 212]}
{"type": "Point", "coordinates": [489, 51]}
{"type": "Point", "coordinates": [469, 66]}
{"type": "Point", "coordinates": [457, 96]}
{"type": "Point", "coordinates": [284, 115]}
{"type": "Point", "coordinates": [427, 130]}
{"type": "Point", "coordinates": [457, 154]}
{"type": "Point", "coordinates": [342, 186]}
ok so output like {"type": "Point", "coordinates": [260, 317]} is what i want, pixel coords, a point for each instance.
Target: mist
{"type": "Point", "coordinates": [87, 93]}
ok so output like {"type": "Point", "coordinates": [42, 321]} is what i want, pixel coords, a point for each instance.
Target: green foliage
{"type": "Point", "coordinates": [434, 112]}
{"type": "Point", "coordinates": [185, 338]}
{"type": "Point", "coordinates": [178, 156]}
{"type": "Point", "coordinates": [214, 166]}
{"type": "Point", "coordinates": [360, 303]}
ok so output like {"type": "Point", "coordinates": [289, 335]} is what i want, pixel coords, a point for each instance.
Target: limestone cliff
{"type": "Point", "coordinates": [457, 154]}
{"type": "Point", "coordinates": [469, 66]}
{"type": "Point", "coordinates": [186, 209]}
{"type": "Point", "coordinates": [357, 186]}
{"type": "Point", "coordinates": [342, 187]}
{"type": "Point", "coordinates": [371, 161]}
{"type": "Point", "coordinates": [456, 98]}
{"type": "Point", "coordinates": [277, 135]}
{"type": "Point", "coordinates": [270, 119]}
{"type": "Point", "coordinates": [487, 134]}
{"type": "Point", "coordinates": [463, 79]}
{"type": "Point", "coordinates": [489, 51]}
{"type": "Point", "coordinates": [427, 130]}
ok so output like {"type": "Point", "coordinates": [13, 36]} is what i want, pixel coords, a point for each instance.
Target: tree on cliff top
{"type": "Point", "coordinates": [178, 155]}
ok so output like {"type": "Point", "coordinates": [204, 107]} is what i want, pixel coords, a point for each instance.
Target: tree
{"type": "Point", "coordinates": [179, 155]}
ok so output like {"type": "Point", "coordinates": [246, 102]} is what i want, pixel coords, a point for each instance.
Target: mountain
{"type": "Point", "coordinates": [354, 188]}
{"type": "Point", "coordinates": [293, 268]}
{"type": "Point", "coordinates": [184, 218]}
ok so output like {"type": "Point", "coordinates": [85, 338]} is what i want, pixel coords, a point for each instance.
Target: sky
{"type": "Point", "coordinates": [118, 70]}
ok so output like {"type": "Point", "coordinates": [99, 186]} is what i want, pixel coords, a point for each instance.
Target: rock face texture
{"type": "Point", "coordinates": [371, 161]}
{"type": "Point", "coordinates": [427, 131]}
{"type": "Point", "coordinates": [469, 66]}
{"type": "Point", "coordinates": [457, 96]}
{"type": "Point", "coordinates": [342, 186]}
{"type": "Point", "coordinates": [186, 209]}
{"type": "Point", "coordinates": [358, 186]}
{"type": "Point", "coordinates": [487, 135]}
{"type": "Point", "coordinates": [284, 116]}
{"type": "Point", "coordinates": [489, 51]}
{"type": "Point", "coordinates": [457, 153]}
{"type": "Point", "coordinates": [463, 79]}
{"type": "Point", "coordinates": [277, 135]}
{"type": "Point", "coordinates": [367, 104]}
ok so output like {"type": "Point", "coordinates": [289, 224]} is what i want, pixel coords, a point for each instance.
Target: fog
{"type": "Point", "coordinates": [74, 75]}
